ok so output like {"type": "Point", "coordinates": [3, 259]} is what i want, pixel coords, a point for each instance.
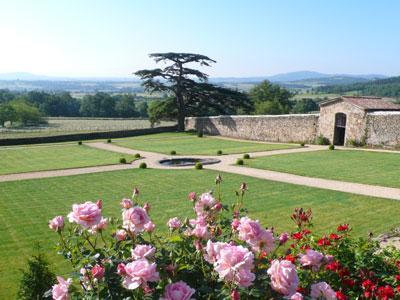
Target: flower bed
{"type": "Point", "coordinates": [218, 254]}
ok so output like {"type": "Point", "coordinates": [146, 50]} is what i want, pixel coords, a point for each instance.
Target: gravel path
{"type": "Point", "coordinates": [226, 165]}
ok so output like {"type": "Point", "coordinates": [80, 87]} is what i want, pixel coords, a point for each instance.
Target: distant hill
{"type": "Point", "coordinates": [388, 87]}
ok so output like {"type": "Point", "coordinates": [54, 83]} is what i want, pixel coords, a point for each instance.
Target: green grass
{"type": "Point", "coordinates": [375, 168]}
{"type": "Point", "coordinates": [190, 144]}
{"type": "Point", "coordinates": [26, 206]}
{"type": "Point", "coordinates": [51, 157]}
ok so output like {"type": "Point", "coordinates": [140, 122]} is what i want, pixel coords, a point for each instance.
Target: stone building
{"type": "Point", "coordinates": [346, 119]}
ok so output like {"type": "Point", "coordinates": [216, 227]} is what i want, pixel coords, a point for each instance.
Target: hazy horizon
{"type": "Point", "coordinates": [247, 38]}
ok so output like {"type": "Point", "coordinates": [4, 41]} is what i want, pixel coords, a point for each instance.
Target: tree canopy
{"type": "Point", "coordinates": [189, 88]}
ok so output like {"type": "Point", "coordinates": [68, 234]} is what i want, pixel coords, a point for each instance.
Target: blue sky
{"type": "Point", "coordinates": [246, 37]}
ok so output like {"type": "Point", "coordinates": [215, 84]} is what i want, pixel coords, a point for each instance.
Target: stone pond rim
{"type": "Point", "coordinates": [187, 161]}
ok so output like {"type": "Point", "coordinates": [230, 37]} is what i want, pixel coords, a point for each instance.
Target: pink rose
{"type": "Point", "coordinates": [213, 251]}
{"type": "Point", "coordinates": [235, 295]}
{"type": "Point", "coordinates": [60, 290]}
{"type": "Point", "coordinates": [296, 296]}
{"type": "Point", "coordinates": [57, 223]}
{"type": "Point", "coordinates": [217, 206]}
{"type": "Point", "coordinates": [135, 192]}
{"type": "Point", "coordinates": [322, 289]}
{"type": "Point", "coordinates": [284, 277]}
{"type": "Point", "coordinates": [192, 196]}
{"type": "Point", "coordinates": [283, 238]}
{"type": "Point", "coordinates": [205, 203]}
{"type": "Point", "coordinates": [235, 264]}
{"type": "Point", "coordinates": [138, 273]}
{"type": "Point", "coordinates": [256, 236]}
{"type": "Point", "coordinates": [100, 226]}
{"type": "Point", "coordinates": [87, 214]}
{"type": "Point", "coordinates": [178, 291]}
{"type": "Point", "coordinates": [134, 219]}
{"type": "Point", "coordinates": [235, 224]}
{"type": "Point", "coordinates": [311, 259]}
{"type": "Point", "coordinates": [99, 203]}
{"type": "Point", "coordinates": [98, 271]}
{"type": "Point", "coordinates": [143, 251]}
{"type": "Point", "coordinates": [201, 232]}
{"type": "Point", "coordinates": [149, 226]}
{"type": "Point", "coordinates": [121, 269]}
{"type": "Point", "coordinates": [126, 203]}
{"type": "Point", "coordinates": [174, 223]}
{"type": "Point", "coordinates": [120, 235]}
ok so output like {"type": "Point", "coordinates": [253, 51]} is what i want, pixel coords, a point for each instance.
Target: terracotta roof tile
{"type": "Point", "coordinates": [367, 103]}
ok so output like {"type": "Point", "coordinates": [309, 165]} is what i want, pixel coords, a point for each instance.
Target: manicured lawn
{"type": "Point", "coordinates": [51, 157]}
{"type": "Point", "coordinates": [26, 207]}
{"type": "Point", "coordinates": [188, 143]}
{"type": "Point", "coordinates": [375, 168]}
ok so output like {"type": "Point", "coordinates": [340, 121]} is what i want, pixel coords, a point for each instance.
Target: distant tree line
{"type": "Point", "coordinates": [389, 87]}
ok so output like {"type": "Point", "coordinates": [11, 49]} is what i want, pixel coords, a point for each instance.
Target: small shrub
{"type": "Point", "coordinates": [355, 143]}
{"type": "Point", "coordinates": [80, 143]}
{"type": "Point", "coordinates": [109, 141]}
{"type": "Point", "coordinates": [219, 152]}
{"type": "Point", "coordinates": [137, 155]}
{"type": "Point", "coordinates": [198, 166]}
{"type": "Point", "coordinates": [331, 147]}
{"type": "Point", "coordinates": [122, 160]}
{"type": "Point", "coordinates": [246, 156]}
{"type": "Point", "coordinates": [200, 134]}
{"type": "Point", "coordinates": [143, 165]}
{"type": "Point", "coordinates": [239, 162]}
{"type": "Point", "coordinates": [321, 140]}
{"type": "Point", "coordinates": [37, 278]}
{"type": "Point", "coordinates": [173, 152]}
{"type": "Point", "coordinates": [302, 144]}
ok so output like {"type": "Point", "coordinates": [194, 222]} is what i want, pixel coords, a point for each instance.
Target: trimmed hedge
{"type": "Point", "coordinates": [85, 136]}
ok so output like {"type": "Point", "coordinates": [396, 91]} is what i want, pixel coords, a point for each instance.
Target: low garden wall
{"type": "Point", "coordinates": [85, 136]}
{"type": "Point", "coordinates": [383, 128]}
{"type": "Point", "coordinates": [273, 128]}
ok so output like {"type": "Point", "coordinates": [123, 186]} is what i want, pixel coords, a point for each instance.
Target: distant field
{"type": "Point", "coordinates": [375, 168]}
{"type": "Point", "coordinates": [58, 126]}
{"type": "Point", "coordinates": [52, 157]}
{"type": "Point", "coordinates": [190, 144]}
{"type": "Point", "coordinates": [26, 206]}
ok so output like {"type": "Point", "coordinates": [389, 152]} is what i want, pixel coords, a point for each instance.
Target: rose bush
{"type": "Point", "coordinates": [221, 253]}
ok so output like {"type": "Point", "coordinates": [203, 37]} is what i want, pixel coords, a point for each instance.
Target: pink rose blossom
{"type": "Point", "coordinates": [192, 196]}
{"type": "Point", "coordinates": [284, 277]}
{"type": "Point", "coordinates": [134, 219]}
{"type": "Point", "coordinates": [205, 203]}
{"type": "Point", "coordinates": [135, 192]}
{"type": "Point", "coordinates": [126, 203]}
{"type": "Point", "coordinates": [217, 206]}
{"type": "Point", "coordinates": [213, 251]}
{"type": "Point", "coordinates": [235, 295]}
{"type": "Point", "coordinates": [283, 238]}
{"type": "Point", "coordinates": [149, 226]}
{"type": "Point", "coordinates": [178, 291]}
{"type": "Point", "coordinates": [322, 289]}
{"type": "Point", "coordinates": [120, 235]}
{"type": "Point", "coordinates": [235, 264]}
{"type": "Point", "coordinates": [257, 237]}
{"type": "Point", "coordinates": [121, 269]}
{"type": "Point", "coordinates": [174, 223]}
{"type": "Point", "coordinates": [235, 224]}
{"type": "Point", "coordinates": [60, 290]}
{"type": "Point", "coordinates": [87, 214]}
{"type": "Point", "coordinates": [311, 259]}
{"type": "Point", "coordinates": [138, 273]}
{"type": "Point", "coordinates": [143, 251]}
{"type": "Point", "coordinates": [99, 227]}
{"type": "Point", "coordinates": [98, 271]}
{"type": "Point", "coordinates": [201, 232]}
{"type": "Point", "coordinates": [57, 223]}
{"type": "Point", "coordinates": [296, 296]}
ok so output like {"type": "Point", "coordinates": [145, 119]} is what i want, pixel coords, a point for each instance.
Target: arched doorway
{"type": "Point", "coordinates": [340, 129]}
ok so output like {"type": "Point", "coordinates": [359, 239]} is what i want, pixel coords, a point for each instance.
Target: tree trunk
{"type": "Point", "coordinates": [181, 112]}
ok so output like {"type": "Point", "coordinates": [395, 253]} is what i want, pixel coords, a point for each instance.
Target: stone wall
{"type": "Point", "coordinates": [383, 128]}
{"type": "Point", "coordinates": [355, 121]}
{"type": "Point", "coordinates": [279, 128]}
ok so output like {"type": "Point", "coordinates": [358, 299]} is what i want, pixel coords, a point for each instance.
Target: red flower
{"type": "Point", "coordinates": [324, 241]}
{"type": "Point", "coordinates": [290, 258]}
{"type": "Point", "coordinates": [343, 227]}
{"type": "Point", "coordinates": [368, 285]}
{"type": "Point", "coordinates": [398, 288]}
{"type": "Point", "coordinates": [333, 266]}
{"type": "Point", "coordinates": [297, 236]}
{"type": "Point", "coordinates": [397, 277]}
{"type": "Point", "coordinates": [334, 236]}
{"type": "Point", "coordinates": [340, 296]}
{"type": "Point", "coordinates": [344, 272]}
{"type": "Point", "coordinates": [349, 282]}
{"type": "Point", "coordinates": [306, 231]}
{"type": "Point", "coordinates": [385, 292]}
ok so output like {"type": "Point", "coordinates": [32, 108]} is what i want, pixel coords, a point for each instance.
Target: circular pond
{"type": "Point", "coordinates": [187, 161]}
